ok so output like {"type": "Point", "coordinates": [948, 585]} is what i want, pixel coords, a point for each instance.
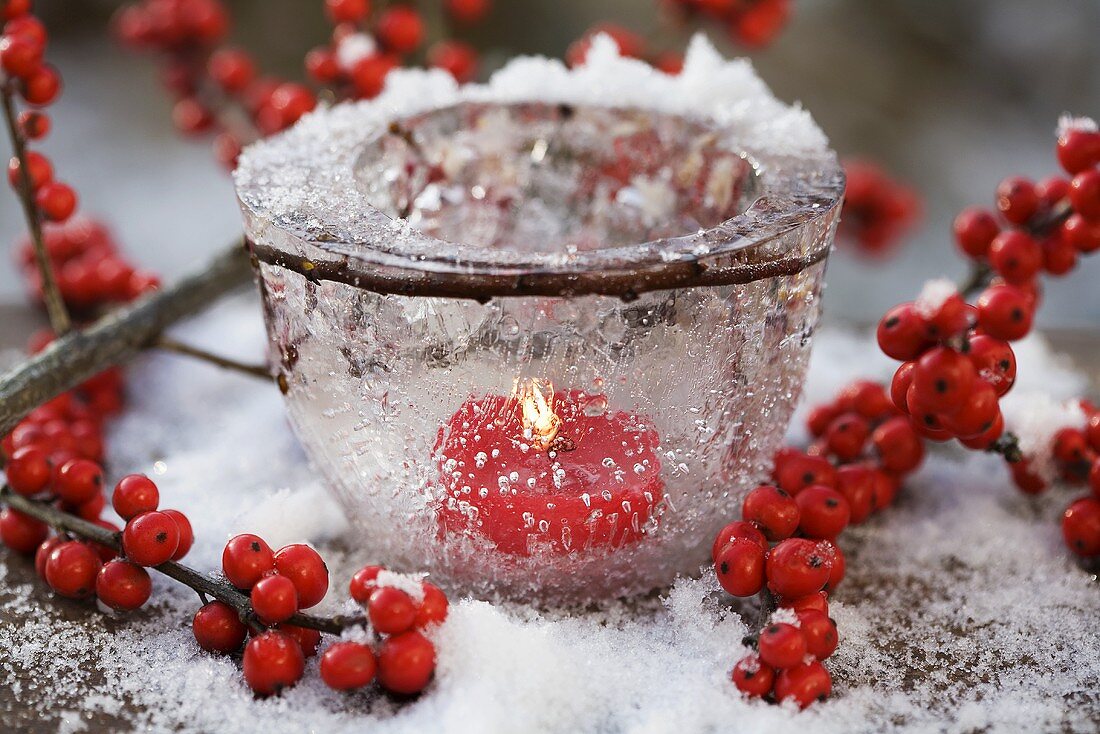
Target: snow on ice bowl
{"type": "Point", "coordinates": [541, 334]}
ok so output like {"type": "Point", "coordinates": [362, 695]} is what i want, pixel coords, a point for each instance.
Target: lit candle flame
{"type": "Point", "coordinates": [540, 423]}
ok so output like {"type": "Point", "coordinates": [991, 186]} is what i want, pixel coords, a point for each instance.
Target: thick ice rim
{"type": "Point", "coordinates": [301, 183]}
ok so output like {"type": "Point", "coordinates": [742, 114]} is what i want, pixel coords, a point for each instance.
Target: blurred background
{"type": "Point", "coordinates": [949, 96]}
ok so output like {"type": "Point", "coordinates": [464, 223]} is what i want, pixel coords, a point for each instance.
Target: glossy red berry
{"type": "Point", "coordinates": [71, 569]}
{"type": "Point", "coordinates": [346, 666]}
{"type": "Point", "coordinates": [798, 567]}
{"type": "Point", "coordinates": [772, 510]}
{"type": "Point", "coordinates": [218, 628]}
{"type": "Point", "coordinates": [133, 495]}
{"type": "Point", "coordinates": [38, 166]}
{"type": "Point", "coordinates": [123, 586]}
{"type": "Point", "coordinates": [307, 639]}
{"type": "Point", "coordinates": [56, 201]}
{"type": "Point", "coordinates": [20, 56]}
{"type": "Point", "coordinates": [42, 86]}
{"type": "Point", "coordinates": [1016, 256]}
{"type": "Point", "coordinates": [1081, 527]}
{"type": "Point", "coordinates": [433, 608]}
{"type": "Point", "coordinates": [1092, 431]}
{"type": "Point", "coordinates": [43, 553]}
{"type": "Point", "coordinates": [753, 676]}
{"type": "Point", "coordinates": [737, 529]}
{"type": "Point", "coordinates": [837, 568]}
{"type": "Point", "coordinates": [1081, 233]}
{"type": "Point", "coordinates": [246, 559]}
{"type": "Point", "coordinates": [187, 535]}
{"type": "Point", "coordinates": [400, 29]}
{"type": "Point", "coordinates": [306, 569]}
{"type": "Point", "coordinates": [455, 57]}
{"type": "Point", "coordinates": [857, 483]}
{"type": "Point", "coordinates": [322, 65]}
{"type": "Point", "coordinates": [274, 599]}
{"type": "Point", "coordinates": [29, 470]}
{"type": "Point", "coordinates": [1017, 199]}
{"type": "Point", "coordinates": [942, 379]}
{"type": "Point", "coordinates": [900, 384]}
{"type": "Point", "coordinates": [903, 333]}
{"type": "Point", "coordinates": [804, 684]}
{"type": "Point", "coordinates": [823, 512]}
{"type": "Point", "coordinates": [272, 661]}
{"type": "Point", "coordinates": [151, 538]}
{"type": "Point", "coordinates": [818, 602]}
{"type": "Point", "coordinates": [1059, 255]}
{"type": "Point", "coordinates": [899, 448]}
{"type": "Point", "coordinates": [978, 414]}
{"type": "Point", "coordinates": [799, 471]}
{"type": "Point", "coordinates": [406, 663]}
{"type": "Point", "coordinates": [78, 480]}
{"type": "Point", "coordinates": [14, 9]}
{"type": "Point", "coordinates": [363, 583]}
{"type": "Point", "coordinates": [739, 566]}
{"type": "Point", "coordinates": [847, 435]}
{"type": "Point", "coordinates": [782, 645]}
{"type": "Point", "coordinates": [820, 633]}
{"type": "Point", "coordinates": [867, 398]}
{"type": "Point", "coordinates": [467, 11]}
{"type": "Point", "coordinates": [347, 11]}
{"type": "Point", "coordinates": [974, 231]}
{"type": "Point", "coordinates": [368, 74]}
{"type": "Point", "coordinates": [994, 360]}
{"type": "Point", "coordinates": [1084, 194]}
{"type": "Point", "coordinates": [1005, 312]}
{"type": "Point", "coordinates": [1078, 149]}
{"type": "Point", "coordinates": [232, 69]}
{"type": "Point", "coordinates": [22, 533]}
{"type": "Point", "coordinates": [390, 610]}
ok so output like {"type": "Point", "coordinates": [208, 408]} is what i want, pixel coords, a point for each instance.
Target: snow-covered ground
{"type": "Point", "coordinates": [961, 611]}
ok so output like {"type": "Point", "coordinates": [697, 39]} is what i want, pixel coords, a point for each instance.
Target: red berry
{"type": "Point", "coordinates": [406, 663]}
{"type": "Point", "coordinates": [455, 57]}
{"type": "Point", "coordinates": [41, 86]}
{"type": "Point", "coordinates": [820, 633]}
{"type": "Point", "coordinates": [133, 495]}
{"type": "Point", "coordinates": [391, 611]}
{"type": "Point", "coordinates": [274, 599]}
{"type": "Point", "coordinates": [1094, 478]}
{"type": "Point", "coordinates": [1059, 255]}
{"type": "Point", "coordinates": [29, 470]}
{"type": "Point", "coordinates": [39, 166]}
{"type": "Point", "coordinates": [798, 567]}
{"type": "Point", "coordinates": [836, 570]}
{"type": "Point", "coordinates": [782, 645]}
{"type": "Point", "coordinates": [78, 480]}
{"type": "Point", "coordinates": [903, 333]}
{"type": "Point", "coordinates": [305, 567]}
{"type": "Point", "coordinates": [1078, 149]}
{"type": "Point", "coordinates": [899, 448]}
{"type": "Point", "coordinates": [942, 380]}
{"type": "Point", "coordinates": [900, 384]}
{"type": "Point", "coordinates": [740, 567]}
{"type": "Point", "coordinates": [1081, 233]}
{"type": "Point", "coordinates": [433, 608]}
{"type": "Point", "coordinates": [846, 436]}
{"type": "Point", "coordinates": [1017, 199]}
{"type": "Point", "coordinates": [71, 569]}
{"type": "Point", "coordinates": [803, 684]}
{"type": "Point", "coordinates": [22, 533]}
{"type": "Point", "coordinates": [290, 101]}
{"type": "Point", "coordinates": [974, 231]}
{"type": "Point", "coordinates": [857, 483]}
{"type": "Point", "coordinates": [819, 418]}
{"type": "Point", "coordinates": [1070, 446]}
{"type": "Point", "coordinates": [1081, 527]}
{"type": "Point", "coordinates": [272, 661]}
{"type": "Point", "coordinates": [232, 69]}
{"type": "Point", "coordinates": [772, 510]}
{"type": "Point", "coordinates": [823, 512]}
{"type": "Point", "coordinates": [818, 602]}
{"type": "Point", "coordinates": [1005, 312]}
{"type": "Point", "coordinates": [123, 586]}
{"type": "Point", "coordinates": [322, 65]}
{"type": "Point", "coordinates": [1092, 431]}
{"type": "Point", "coordinates": [14, 9]}
{"type": "Point", "coordinates": [979, 412]}
{"type": "Point", "coordinates": [218, 628]}
{"type": "Point", "coordinates": [187, 535]}
{"type": "Point", "coordinates": [400, 29]}
{"type": "Point", "coordinates": [800, 471]}
{"type": "Point", "coordinates": [20, 56]}
{"type": "Point", "coordinates": [44, 549]}
{"type": "Point", "coordinates": [994, 360]}
{"type": "Point", "coordinates": [347, 665]}
{"type": "Point", "coordinates": [1084, 194]}
{"type": "Point", "coordinates": [1026, 480]}
{"type": "Point", "coordinates": [56, 201]}
{"type": "Point", "coordinates": [467, 11]}
{"type": "Point", "coordinates": [246, 559]}
{"type": "Point", "coordinates": [753, 676]}
{"type": "Point", "coordinates": [867, 398]}
{"type": "Point", "coordinates": [307, 639]}
{"type": "Point", "coordinates": [369, 73]}
{"type": "Point", "coordinates": [192, 117]}
{"type": "Point", "coordinates": [151, 538]}
{"type": "Point", "coordinates": [1016, 256]}
{"type": "Point", "coordinates": [363, 583]}
{"type": "Point", "coordinates": [737, 529]}
{"type": "Point", "coordinates": [347, 11]}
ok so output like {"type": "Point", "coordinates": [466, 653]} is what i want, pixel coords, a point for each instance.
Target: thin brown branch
{"type": "Point", "coordinates": [203, 584]}
{"type": "Point", "coordinates": [116, 338]}
{"type": "Point", "coordinates": [51, 294]}
{"type": "Point", "coordinates": [252, 370]}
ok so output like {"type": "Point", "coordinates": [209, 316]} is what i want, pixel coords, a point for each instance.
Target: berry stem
{"type": "Point", "coordinates": [169, 344]}
{"type": "Point", "coordinates": [116, 338]}
{"type": "Point", "coordinates": [51, 294]}
{"type": "Point", "coordinates": [200, 582]}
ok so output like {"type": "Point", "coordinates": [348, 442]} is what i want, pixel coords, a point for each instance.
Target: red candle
{"type": "Point", "coordinates": [559, 474]}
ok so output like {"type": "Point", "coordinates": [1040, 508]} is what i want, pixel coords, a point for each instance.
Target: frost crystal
{"type": "Point", "coordinates": [933, 295]}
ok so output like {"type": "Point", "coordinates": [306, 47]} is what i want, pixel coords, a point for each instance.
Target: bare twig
{"type": "Point", "coordinates": [203, 584]}
{"type": "Point", "coordinates": [252, 370]}
{"type": "Point", "coordinates": [51, 294]}
{"type": "Point", "coordinates": [112, 340]}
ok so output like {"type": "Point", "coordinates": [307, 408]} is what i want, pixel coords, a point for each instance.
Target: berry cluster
{"type": "Point", "coordinates": [22, 48]}
{"type": "Point", "coordinates": [752, 23]}
{"type": "Point", "coordinates": [878, 211]}
{"type": "Point", "coordinates": [863, 448]}
{"type": "Point", "coordinates": [90, 270]}
{"type": "Point", "coordinates": [1076, 455]}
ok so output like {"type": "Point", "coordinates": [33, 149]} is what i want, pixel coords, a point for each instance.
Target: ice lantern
{"type": "Point", "coordinates": [540, 335]}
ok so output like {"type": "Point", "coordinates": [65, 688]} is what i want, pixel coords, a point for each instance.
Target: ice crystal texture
{"type": "Point", "coordinates": [406, 245]}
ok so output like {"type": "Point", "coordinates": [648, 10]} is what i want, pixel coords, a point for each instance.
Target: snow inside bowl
{"type": "Point", "coordinates": [541, 335]}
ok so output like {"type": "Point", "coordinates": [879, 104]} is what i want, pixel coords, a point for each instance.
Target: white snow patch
{"type": "Point", "coordinates": [933, 295]}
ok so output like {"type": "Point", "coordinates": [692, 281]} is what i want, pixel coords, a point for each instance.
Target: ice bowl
{"type": "Point", "coordinates": [541, 335]}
